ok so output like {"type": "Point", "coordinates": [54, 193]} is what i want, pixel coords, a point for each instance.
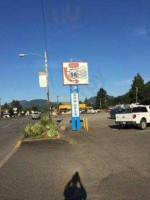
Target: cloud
{"type": "Point", "coordinates": [123, 83]}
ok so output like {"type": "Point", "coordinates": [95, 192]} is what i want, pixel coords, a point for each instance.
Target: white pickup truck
{"type": "Point", "coordinates": [138, 116]}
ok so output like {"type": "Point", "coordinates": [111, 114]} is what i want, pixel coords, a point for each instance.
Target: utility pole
{"type": "Point", "coordinates": [47, 80]}
{"type": "Point", "coordinates": [137, 89]}
{"type": "Point", "coordinates": [0, 108]}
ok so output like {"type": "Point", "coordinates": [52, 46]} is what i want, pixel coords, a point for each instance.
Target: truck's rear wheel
{"type": "Point", "coordinates": [143, 124]}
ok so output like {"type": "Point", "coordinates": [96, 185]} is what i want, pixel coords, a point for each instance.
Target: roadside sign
{"type": "Point", "coordinates": [75, 73]}
{"type": "Point", "coordinates": [42, 79]}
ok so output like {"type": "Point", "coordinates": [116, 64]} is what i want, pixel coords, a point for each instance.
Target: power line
{"type": "Point", "coordinates": [45, 39]}
{"type": "Point", "coordinates": [44, 24]}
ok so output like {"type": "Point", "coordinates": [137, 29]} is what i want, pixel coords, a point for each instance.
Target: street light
{"type": "Point", "coordinates": [46, 70]}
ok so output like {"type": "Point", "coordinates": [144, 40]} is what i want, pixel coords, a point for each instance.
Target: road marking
{"type": "Point", "coordinates": [143, 131]}
{"type": "Point", "coordinates": [10, 154]}
{"type": "Point", "coordinates": [18, 144]}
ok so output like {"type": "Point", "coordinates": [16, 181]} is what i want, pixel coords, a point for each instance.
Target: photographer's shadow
{"type": "Point", "coordinates": [74, 190]}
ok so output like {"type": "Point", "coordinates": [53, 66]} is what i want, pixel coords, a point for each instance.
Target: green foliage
{"type": "Point", "coordinates": [138, 84]}
{"type": "Point", "coordinates": [33, 130]}
{"type": "Point", "coordinates": [35, 108]}
{"type": "Point", "coordinates": [27, 131]}
{"type": "Point", "coordinates": [45, 128]}
{"type": "Point", "coordinates": [45, 120]}
{"type": "Point", "coordinates": [101, 99]}
{"type": "Point", "coordinates": [16, 104]}
{"type": "Point", "coordinates": [143, 94]}
{"type": "Point", "coordinates": [53, 131]}
{"type": "Point", "coordinates": [37, 129]}
{"type": "Point", "coordinates": [87, 102]}
{"type": "Point", "coordinates": [5, 106]}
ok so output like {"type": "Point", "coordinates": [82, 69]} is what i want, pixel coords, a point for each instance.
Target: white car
{"type": "Point", "coordinates": [6, 116]}
{"type": "Point", "coordinates": [138, 116]}
{"type": "Point", "coordinates": [91, 111]}
{"type": "Point", "coordinates": [36, 115]}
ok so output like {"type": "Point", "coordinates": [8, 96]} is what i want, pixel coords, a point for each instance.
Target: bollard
{"type": "Point", "coordinates": [86, 122]}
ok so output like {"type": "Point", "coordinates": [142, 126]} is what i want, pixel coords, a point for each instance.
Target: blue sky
{"type": "Point", "coordinates": [113, 36]}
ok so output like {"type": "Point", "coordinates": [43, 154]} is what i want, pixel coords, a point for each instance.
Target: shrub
{"type": "Point", "coordinates": [45, 120]}
{"type": "Point", "coordinates": [27, 131]}
{"type": "Point", "coordinates": [45, 128]}
{"type": "Point", "coordinates": [53, 130]}
{"type": "Point", "coordinates": [33, 130]}
{"type": "Point", "coordinates": [37, 129]}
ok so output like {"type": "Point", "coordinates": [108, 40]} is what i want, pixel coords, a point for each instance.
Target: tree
{"type": "Point", "coordinates": [87, 102]}
{"type": "Point", "coordinates": [5, 106]}
{"type": "Point", "coordinates": [138, 88]}
{"type": "Point", "coordinates": [16, 104]}
{"type": "Point", "coordinates": [35, 108]}
{"type": "Point", "coordinates": [101, 99]}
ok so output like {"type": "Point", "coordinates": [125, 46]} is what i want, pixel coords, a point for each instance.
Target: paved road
{"type": "Point", "coordinates": [10, 133]}
{"type": "Point", "coordinates": [112, 163]}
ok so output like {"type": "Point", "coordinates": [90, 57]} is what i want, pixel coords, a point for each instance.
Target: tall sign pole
{"type": "Point", "coordinates": [74, 74]}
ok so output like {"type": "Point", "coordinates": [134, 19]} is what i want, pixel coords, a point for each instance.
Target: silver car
{"type": "Point", "coordinates": [36, 115]}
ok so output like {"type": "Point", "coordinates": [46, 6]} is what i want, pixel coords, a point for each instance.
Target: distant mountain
{"type": "Point", "coordinates": [35, 102]}
{"type": "Point", "coordinates": [92, 100]}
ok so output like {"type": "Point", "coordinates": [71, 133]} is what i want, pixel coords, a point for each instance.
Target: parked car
{"type": "Point", "coordinates": [36, 115]}
{"type": "Point", "coordinates": [91, 111]}
{"type": "Point", "coordinates": [117, 110]}
{"type": "Point", "coordinates": [138, 116]}
{"type": "Point", "coordinates": [6, 115]}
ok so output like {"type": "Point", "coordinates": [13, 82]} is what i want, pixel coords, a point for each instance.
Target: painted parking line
{"type": "Point", "coordinates": [146, 131]}
{"type": "Point", "coordinates": [10, 154]}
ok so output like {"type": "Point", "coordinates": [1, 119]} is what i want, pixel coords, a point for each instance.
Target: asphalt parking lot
{"type": "Point", "coordinates": [113, 164]}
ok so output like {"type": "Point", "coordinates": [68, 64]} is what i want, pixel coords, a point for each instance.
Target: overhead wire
{"type": "Point", "coordinates": [46, 43]}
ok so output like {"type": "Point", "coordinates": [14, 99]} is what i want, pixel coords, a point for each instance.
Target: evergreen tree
{"type": "Point", "coordinates": [16, 104]}
{"type": "Point", "coordinates": [87, 102]}
{"type": "Point", "coordinates": [101, 99]}
{"type": "Point", "coordinates": [5, 106]}
{"type": "Point", "coordinates": [137, 87]}
{"type": "Point", "coordinates": [35, 108]}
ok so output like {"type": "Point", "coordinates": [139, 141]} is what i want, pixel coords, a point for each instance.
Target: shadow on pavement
{"type": "Point", "coordinates": [122, 127]}
{"type": "Point", "coordinates": [114, 127]}
{"type": "Point", "coordinates": [74, 189]}
{"type": "Point", "coordinates": [110, 118]}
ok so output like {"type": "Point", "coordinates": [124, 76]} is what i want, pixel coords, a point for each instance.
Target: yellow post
{"type": "Point", "coordinates": [87, 127]}
{"type": "Point", "coordinates": [84, 123]}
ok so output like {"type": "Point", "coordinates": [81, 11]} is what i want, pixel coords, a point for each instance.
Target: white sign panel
{"type": "Point", "coordinates": [75, 73]}
{"type": "Point", "coordinates": [42, 79]}
{"type": "Point", "coordinates": [75, 104]}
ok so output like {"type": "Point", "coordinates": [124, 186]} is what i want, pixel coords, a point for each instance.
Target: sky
{"type": "Point", "coordinates": [113, 36]}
